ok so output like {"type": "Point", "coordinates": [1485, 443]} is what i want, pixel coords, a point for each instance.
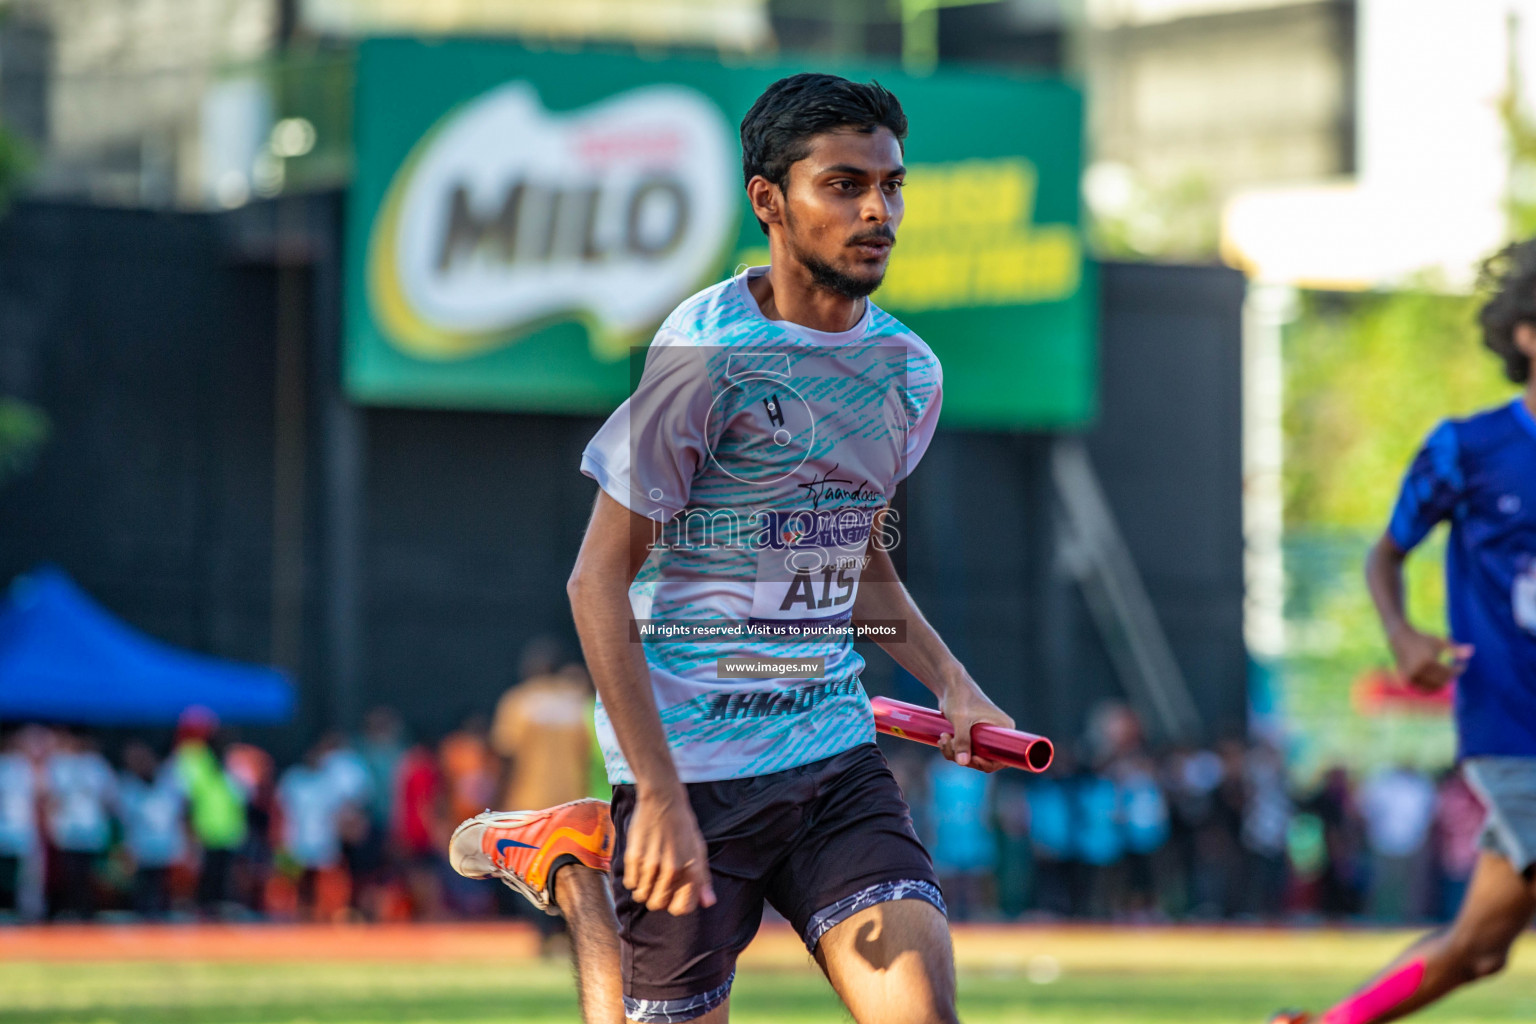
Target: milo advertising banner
{"type": "Point", "coordinates": [521, 220]}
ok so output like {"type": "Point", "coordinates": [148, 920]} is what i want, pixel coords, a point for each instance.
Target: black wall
{"type": "Point", "coordinates": [416, 551]}
{"type": "Point", "coordinates": [1168, 450]}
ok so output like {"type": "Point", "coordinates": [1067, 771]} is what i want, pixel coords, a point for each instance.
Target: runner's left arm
{"type": "Point", "coordinates": [921, 651]}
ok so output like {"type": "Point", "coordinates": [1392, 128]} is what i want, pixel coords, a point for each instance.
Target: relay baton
{"type": "Point", "coordinates": [1006, 746]}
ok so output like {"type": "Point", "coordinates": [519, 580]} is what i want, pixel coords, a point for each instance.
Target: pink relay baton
{"type": "Point", "coordinates": [924, 725]}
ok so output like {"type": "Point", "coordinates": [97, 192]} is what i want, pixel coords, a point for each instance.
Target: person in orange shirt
{"type": "Point", "coordinates": [469, 768]}
{"type": "Point", "coordinates": [543, 727]}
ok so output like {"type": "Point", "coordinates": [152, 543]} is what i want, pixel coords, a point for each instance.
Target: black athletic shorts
{"type": "Point", "coordinates": [820, 843]}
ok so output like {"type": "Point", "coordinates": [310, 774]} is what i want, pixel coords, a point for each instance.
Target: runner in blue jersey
{"type": "Point", "coordinates": [742, 524]}
{"type": "Point", "coordinates": [1478, 474]}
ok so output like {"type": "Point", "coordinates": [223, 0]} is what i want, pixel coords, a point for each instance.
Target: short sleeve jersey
{"type": "Point", "coordinates": [762, 451]}
{"type": "Point", "coordinates": [18, 806]}
{"type": "Point", "coordinates": [152, 815]}
{"type": "Point", "coordinates": [312, 804]}
{"type": "Point", "coordinates": [1480, 474]}
{"type": "Point", "coordinates": [81, 788]}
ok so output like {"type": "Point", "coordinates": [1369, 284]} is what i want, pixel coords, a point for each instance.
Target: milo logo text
{"type": "Point", "coordinates": [539, 224]}
{"type": "Point", "coordinates": [509, 216]}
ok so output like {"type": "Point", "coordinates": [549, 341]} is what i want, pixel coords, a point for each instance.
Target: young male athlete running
{"type": "Point", "coordinates": [1480, 473]}
{"type": "Point", "coordinates": [743, 485]}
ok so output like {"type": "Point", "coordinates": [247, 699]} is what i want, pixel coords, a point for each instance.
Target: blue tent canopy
{"type": "Point", "coordinates": [64, 658]}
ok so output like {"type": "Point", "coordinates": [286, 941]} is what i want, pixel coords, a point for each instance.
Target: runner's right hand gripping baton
{"type": "Point", "coordinates": [1007, 746]}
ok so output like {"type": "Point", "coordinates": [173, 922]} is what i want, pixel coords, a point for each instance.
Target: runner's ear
{"type": "Point", "coordinates": [766, 199]}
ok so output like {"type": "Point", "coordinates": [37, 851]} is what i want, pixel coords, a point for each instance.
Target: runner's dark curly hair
{"type": "Point", "coordinates": [1509, 279]}
{"type": "Point", "coordinates": [777, 130]}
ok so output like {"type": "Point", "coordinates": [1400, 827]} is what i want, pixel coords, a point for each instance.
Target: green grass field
{"type": "Point", "coordinates": [1079, 977]}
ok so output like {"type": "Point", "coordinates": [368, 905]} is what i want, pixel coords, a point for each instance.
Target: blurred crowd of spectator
{"type": "Point", "coordinates": [1114, 832]}
{"type": "Point", "coordinates": [358, 828]}
{"type": "Point", "coordinates": [211, 828]}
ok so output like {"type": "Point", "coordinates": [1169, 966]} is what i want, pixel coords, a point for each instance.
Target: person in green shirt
{"type": "Point", "coordinates": [215, 806]}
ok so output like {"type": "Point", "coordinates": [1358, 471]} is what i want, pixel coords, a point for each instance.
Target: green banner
{"type": "Point", "coordinates": [519, 220]}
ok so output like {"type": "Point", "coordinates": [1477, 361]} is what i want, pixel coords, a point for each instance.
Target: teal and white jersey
{"type": "Point", "coordinates": [761, 451]}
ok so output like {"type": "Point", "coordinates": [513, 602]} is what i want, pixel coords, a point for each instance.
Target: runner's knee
{"type": "Point", "coordinates": [892, 964]}
{"type": "Point", "coordinates": [1487, 962]}
{"type": "Point", "coordinates": [934, 1013]}
{"type": "Point", "coordinates": [1478, 956]}
{"type": "Point", "coordinates": [944, 1014]}
{"type": "Point", "coordinates": [577, 885]}
{"type": "Point", "coordinates": [905, 1007]}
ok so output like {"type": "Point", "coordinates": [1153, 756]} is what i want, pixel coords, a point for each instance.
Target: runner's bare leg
{"type": "Point", "coordinates": [1498, 906]}
{"type": "Point", "coordinates": [893, 963]}
{"type": "Point", "coordinates": [585, 901]}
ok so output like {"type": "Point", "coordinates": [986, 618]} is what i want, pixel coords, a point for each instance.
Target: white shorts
{"type": "Point", "coordinates": [1507, 788]}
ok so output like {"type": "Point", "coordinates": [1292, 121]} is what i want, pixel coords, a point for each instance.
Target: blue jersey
{"type": "Point", "coordinates": [1480, 473]}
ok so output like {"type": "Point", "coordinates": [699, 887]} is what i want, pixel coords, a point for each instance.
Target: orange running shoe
{"type": "Point", "coordinates": [525, 848]}
{"type": "Point", "coordinates": [1291, 1017]}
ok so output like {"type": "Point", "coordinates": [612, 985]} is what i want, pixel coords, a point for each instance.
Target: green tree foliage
{"type": "Point", "coordinates": [23, 431]}
{"type": "Point", "coordinates": [1520, 139]}
{"type": "Point", "coordinates": [1178, 219]}
{"type": "Point", "coordinates": [1366, 378]}
{"type": "Point", "coordinates": [16, 160]}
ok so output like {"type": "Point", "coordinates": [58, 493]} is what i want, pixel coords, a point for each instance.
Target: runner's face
{"type": "Point", "coordinates": [842, 205]}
